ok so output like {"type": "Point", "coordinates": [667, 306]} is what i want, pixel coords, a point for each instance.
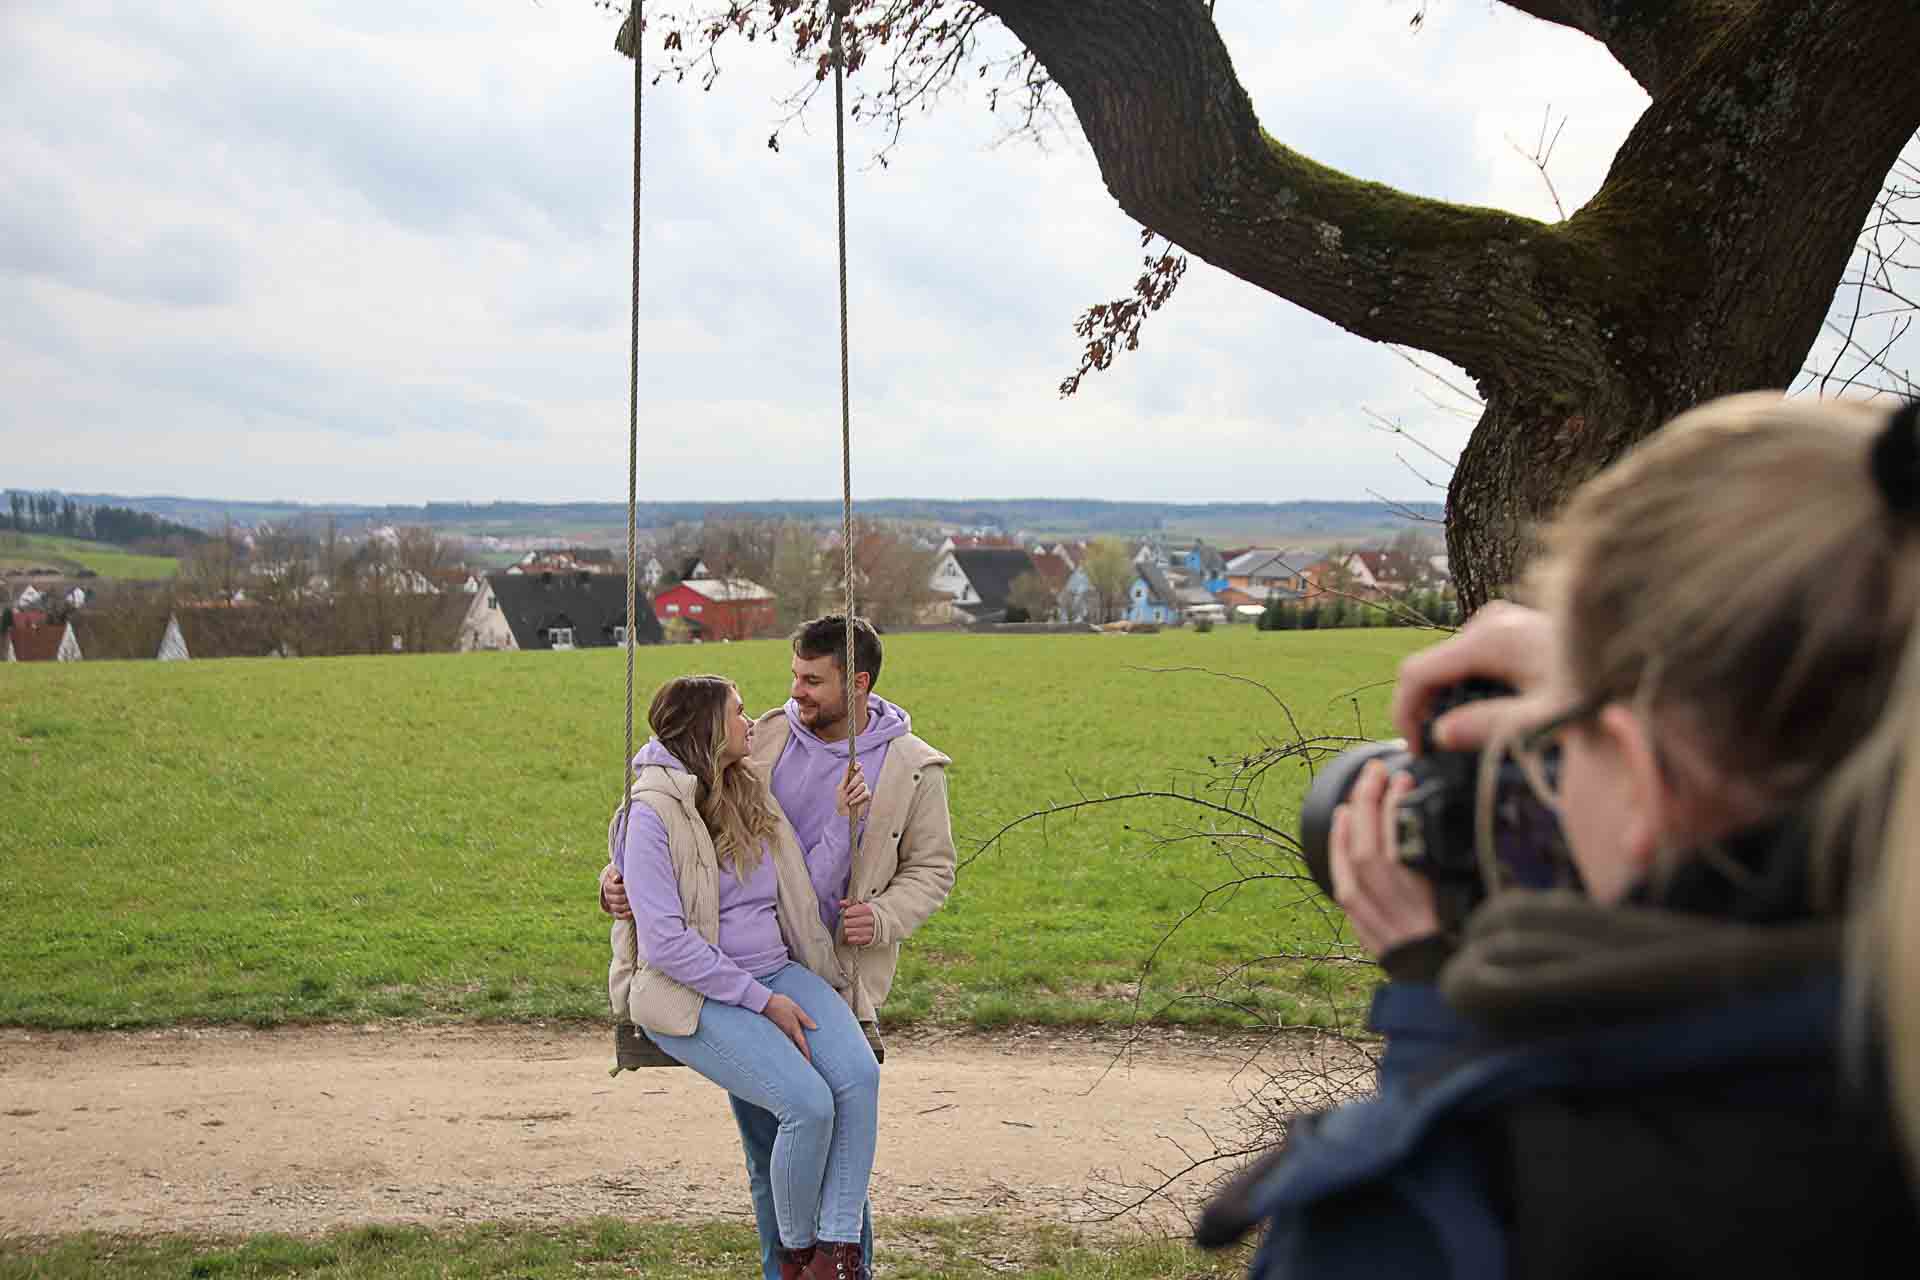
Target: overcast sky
{"type": "Point", "coordinates": [377, 250]}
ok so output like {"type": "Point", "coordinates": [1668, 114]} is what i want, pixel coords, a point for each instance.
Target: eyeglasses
{"type": "Point", "coordinates": [1537, 750]}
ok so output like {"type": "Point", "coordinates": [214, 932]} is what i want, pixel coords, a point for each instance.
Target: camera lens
{"type": "Point", "coordinates": [1329, 790]}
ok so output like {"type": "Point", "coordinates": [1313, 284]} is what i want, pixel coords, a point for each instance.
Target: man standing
{"type": "Point", "coordinates": [899, 872]}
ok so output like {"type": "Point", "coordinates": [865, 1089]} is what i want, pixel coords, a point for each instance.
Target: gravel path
{"type": "Point", "coordinates": [303, 1130]}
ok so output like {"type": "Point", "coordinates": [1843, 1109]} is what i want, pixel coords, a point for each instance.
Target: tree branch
{"type": "Point", "coordinates": [1182, 151]}
{"type": "Point", "coordinates": [1655, 43]}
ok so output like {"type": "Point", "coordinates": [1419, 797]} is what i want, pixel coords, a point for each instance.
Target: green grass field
{"type": "Point", "coordinates": [350, 838]}
{"type": "Point", "coordinates": [69, 555]}
{"type": "Point", "coordinates": [951, 1249]}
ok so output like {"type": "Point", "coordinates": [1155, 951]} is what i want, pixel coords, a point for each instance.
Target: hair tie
{"type": "Point", "coordinates": [1896, 460]}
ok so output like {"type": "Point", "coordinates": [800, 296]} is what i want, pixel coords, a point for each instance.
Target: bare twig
{"type": "Point", "coordinates": [1462, 392]}
{"type": "Point", "coordinates": [1403, 511]}
{"type": "Point", "coordinates": [1384, 423]}
{"type": "Point", "coordinates": [1542, 155]}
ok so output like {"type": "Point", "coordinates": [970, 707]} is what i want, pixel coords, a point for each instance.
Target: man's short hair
{"type": "Point", "coordinates": [827, 638]}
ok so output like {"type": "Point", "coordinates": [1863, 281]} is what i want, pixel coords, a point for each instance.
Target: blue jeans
{"type": "Point", "coordinates": [827, 1112]}
{"type": "Point", "coordinates": [758, 1128]}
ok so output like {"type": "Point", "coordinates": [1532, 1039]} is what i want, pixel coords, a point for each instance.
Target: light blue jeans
{"type": "Point", "coordinates": [827, 1111]}
{"type": "Point", "coordinates": [758, 1129]}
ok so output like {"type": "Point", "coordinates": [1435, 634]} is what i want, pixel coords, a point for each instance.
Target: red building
{"type": "Point", "coordinates": [716, 609]}
{"type": "Point", "coordinates": [31, 638]}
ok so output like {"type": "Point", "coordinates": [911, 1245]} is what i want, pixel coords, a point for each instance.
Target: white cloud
{"type": "Point", "coordinates": [371, 251]}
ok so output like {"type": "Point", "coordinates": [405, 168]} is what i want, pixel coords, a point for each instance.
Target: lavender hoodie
{"type": "Point", "coordinates": [805, 779]}
{"type": "Point", "coordinates": [750, 946]}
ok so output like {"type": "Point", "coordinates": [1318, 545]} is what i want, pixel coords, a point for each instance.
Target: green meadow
{"type": "Point", "coordinates": [351, 838]}
{"type": "Point", "coordinates": [69, 555]}
{"type": "Point", "coordinates": [945, 1249]}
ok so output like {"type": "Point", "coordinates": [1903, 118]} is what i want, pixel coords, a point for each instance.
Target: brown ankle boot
{"type": "Point", "coordinates": [793, 1263]}
{"type": "Point", "coordinates": [833, 1260]}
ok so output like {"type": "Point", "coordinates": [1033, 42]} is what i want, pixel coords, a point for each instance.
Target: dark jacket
{"type": "Point", "coordinates": [1636, 1091]}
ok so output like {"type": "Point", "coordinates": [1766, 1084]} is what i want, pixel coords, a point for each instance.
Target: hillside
{"type": "Point", "coordinates": [72, 557]}
{"type": "Point", "coordinates": [1303, 521]}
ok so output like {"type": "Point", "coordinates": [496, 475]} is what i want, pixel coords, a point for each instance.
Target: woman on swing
{"type": "Point", "coordinates": [736, 972]}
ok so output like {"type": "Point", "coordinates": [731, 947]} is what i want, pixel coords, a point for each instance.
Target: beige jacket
{"type": "Point", "coordinates": [905, 863]}
{"type": "Point", "coordinates": [652, 999]}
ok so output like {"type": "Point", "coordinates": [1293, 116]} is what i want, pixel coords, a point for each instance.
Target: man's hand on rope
{"type": "Point", "coordinates": [613, 894]}
{"type": "Point", "coordinates": [852, 795]}
{"type": "Point", "coordinates": [791, 1018]}
{"type": "Point", "coordinates": [858, 928]}
{"type": "Point", "coordinates": [857, 925]}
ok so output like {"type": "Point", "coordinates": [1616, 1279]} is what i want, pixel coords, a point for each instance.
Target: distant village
{"type": "Point", "coordinates": [270, 593]}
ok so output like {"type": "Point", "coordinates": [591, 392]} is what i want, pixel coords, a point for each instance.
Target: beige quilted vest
{"type": "Point", "coordinates": [652, 999]}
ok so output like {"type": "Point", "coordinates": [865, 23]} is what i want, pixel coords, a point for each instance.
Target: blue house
{"type": "Point", "coordinates": [1152, 598]}
{"type": "Point", "coordinates": [1205, 566]}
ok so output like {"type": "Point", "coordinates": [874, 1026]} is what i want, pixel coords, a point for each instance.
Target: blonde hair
{"type": "Point", "coordinates": [689, 718]}
{"type": "Point", "coordinates": [1741, 575]}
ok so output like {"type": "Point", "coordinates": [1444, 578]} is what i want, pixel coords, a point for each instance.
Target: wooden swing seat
{"type": "Point", "coordinates": [632, 1049]}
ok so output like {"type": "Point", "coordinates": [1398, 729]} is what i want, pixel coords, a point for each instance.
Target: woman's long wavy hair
{"type": "Point", "coordinates": [689, 718]}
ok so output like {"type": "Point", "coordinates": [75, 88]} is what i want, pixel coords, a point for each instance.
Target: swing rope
{"type": "Point", "coordinates": [633, 421]}
{"type": "Point", "coordinates": [631, 1048]}
{"type": "Point", "coordinates": [846, 413]}
{"type": "Point", "coordinates": [848, 669]}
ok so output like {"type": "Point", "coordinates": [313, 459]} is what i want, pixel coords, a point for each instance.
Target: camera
{"type": "Point", "coordinates": [1437, 820]}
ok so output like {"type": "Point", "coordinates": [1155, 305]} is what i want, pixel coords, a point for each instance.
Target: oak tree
{"type": "Point", "coordinates": [1704, 264]}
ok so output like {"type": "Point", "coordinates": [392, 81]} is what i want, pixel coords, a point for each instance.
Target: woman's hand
{"type": "Point", "coordinates": [852, 795]}
{"type": "Point", "coordinates": [1506, 642]}
{"type": "Point", "coordinates": [792, 1021]}
{"type": "Point", "coordinates": [1387, 904]}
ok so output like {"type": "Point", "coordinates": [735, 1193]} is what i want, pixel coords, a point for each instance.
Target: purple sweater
{"type": "Point", "coordinates": [805, 779]}
{"type": "Point", "coordinates": [750, 946]}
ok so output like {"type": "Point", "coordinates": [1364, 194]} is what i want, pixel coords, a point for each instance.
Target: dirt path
{"type": "Point", "coordinates": [236, 1131]}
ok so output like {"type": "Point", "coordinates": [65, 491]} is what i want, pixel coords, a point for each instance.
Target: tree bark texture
{"type": "Point", "coordinates": [1703, 265]}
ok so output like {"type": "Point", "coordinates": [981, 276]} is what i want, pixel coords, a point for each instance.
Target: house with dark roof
{"type": "Point", "coordinates": [1265, 571]}
{"type": "Point", "coordinates": [555, 611]}
{"type": "Point", "coordinates": [236, 631]}
{"type": "Point", "coordinates": [978, 580]}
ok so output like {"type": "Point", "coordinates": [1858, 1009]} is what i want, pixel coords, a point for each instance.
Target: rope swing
{"type": "Point", "coordinates": [631, 1046]}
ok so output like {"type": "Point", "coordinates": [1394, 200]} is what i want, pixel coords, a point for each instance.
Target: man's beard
{"type": "Point", "coordinates": [826, 715]}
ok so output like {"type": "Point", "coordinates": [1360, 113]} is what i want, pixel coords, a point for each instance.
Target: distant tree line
{"type": "Point", "coordinates": [1065, 516]}
{"type": "Point", "coordinates": [53, 513]}
{"type": "Point", "coordinates": [1329, 609]}
{"type": "Point", "coordinates": [285, 591]}
{"type": "Point", "coordinates": [802, 564]}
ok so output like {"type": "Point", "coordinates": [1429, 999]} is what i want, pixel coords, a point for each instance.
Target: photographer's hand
{"type": "Point", "coordinates": [1506, 642]}
{"type": "Point", "coordinates": [1387, 904]}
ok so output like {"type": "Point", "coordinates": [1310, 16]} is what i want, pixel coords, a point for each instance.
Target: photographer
{"type": "Point", "coordinates": [1681, 1066]}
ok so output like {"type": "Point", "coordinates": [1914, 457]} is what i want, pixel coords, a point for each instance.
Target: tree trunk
{"type": "Point", "coordinates": [1703, 265]}
{"type": "Point", "coordinates": [1525, 457]}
